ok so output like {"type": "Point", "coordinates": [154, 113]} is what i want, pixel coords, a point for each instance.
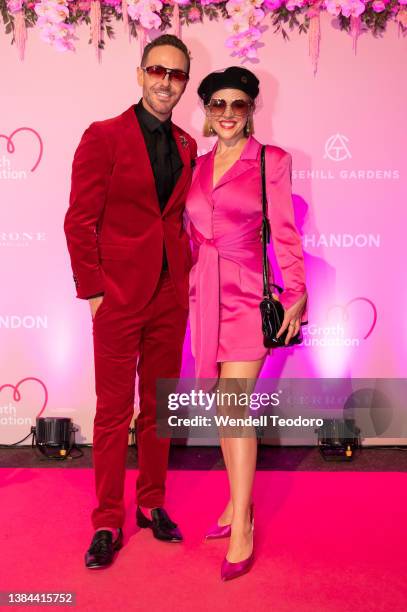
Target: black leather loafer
{"type": "Point", "coordinates": [162, 526]}
{"type": "Point", "coordinates": [102, 550]}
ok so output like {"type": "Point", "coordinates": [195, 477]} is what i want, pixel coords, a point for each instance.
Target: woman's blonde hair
{"type": "Point", "coordinates": [248, 128]}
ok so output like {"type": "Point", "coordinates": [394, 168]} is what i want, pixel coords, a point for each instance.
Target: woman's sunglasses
{"type": "Point", "coordinates": [160, 72]}
{"type": "Point", "coordinates": [218, 106]}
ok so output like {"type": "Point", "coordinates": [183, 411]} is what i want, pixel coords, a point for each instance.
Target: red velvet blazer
{"type": "Point", "coordinates": [114, 227]}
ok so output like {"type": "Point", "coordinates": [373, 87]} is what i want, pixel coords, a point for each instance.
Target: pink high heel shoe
{"type": "Point", "coordinates": [230, 570]}
{"type": "Point", "coordinates": [223, 531]}
{"type": "Point", "coordinates": [218, 531]}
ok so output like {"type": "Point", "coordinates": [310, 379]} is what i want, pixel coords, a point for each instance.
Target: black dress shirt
{"type": "Point", "coordinates": [151, 128]}
{"type": "Point", "coordinates": [164, 157]}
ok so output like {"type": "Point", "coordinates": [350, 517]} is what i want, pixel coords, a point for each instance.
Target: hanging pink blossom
{"type": "Point", "coordinates": [401, 18]}
{"type": "Point", "coordinates": [272, 5]}
{"type": "Point", "coordinates": [14, 5]}
{"type": "Point", "coordinates": [333, 7]}
{"type": "Point", "coordinates": [243, 44]}
{"type": "Point", "coordinates": [194, 14]}
{"type": "Point", "coordinates": [54, 11]}
{"type": "Point", "coordinates": [290, 5]}
{"type": "Point", "coordinates": [237, 8]}
{"type": "Point", "coordinates": [237, 26]}
{"type": "Point", "coordinates": [378, 6]}
{"type": "Point", "coordinates": [245, 17]}
{"type": "Point", "coordinates": [146, 12]}
{"type": "Point", "coordinates": [51, 17]}
{"type": "Point", "coordinates": [59, 35]}
{"type": "Point", "coordinates": [352, 8]}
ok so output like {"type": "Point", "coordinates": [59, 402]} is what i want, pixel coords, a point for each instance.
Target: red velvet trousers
{"type": "Point", "coordinates": [150, 343]}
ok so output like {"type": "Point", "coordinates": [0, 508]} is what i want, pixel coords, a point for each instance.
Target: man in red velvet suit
{"type": "Point", "coordinates": [130, 258]}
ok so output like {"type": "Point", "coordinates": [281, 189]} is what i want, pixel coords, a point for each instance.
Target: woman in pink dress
{"type": "Point", "coordinates": [224, 216]}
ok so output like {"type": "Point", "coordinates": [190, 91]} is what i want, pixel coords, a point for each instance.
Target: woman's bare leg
{"type": "Point", "coordinates": [226, 516]}
{"type": "Point", "coordinates": [240, 456]}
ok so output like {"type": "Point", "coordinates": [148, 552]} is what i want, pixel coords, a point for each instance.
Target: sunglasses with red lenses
{"type": "Point", "coordinates": [218, 106]}
{"type": "Point", "coordinates": [160, 72]}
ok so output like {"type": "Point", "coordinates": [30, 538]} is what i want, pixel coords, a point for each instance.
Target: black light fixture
{"type": "Point", "coordinates": [54, 437]}
{"type": "Point", "coordinates": [338, 439]}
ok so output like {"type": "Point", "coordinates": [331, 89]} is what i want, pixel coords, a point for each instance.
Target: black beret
{"type": "Point", "coordinates": [234, 77]}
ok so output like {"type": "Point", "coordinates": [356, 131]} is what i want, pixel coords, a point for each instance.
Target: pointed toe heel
{"type": "Point", "coordinates": [218, 531]}
{"type": "Point", "coordinates": [229, 570]}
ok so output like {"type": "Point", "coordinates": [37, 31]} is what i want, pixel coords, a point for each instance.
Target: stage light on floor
{"type": "Point", "coordinates": [54, 437]}
{"type": "Point", "coordinates": [338, 439]}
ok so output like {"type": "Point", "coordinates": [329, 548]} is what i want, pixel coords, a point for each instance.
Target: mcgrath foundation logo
{"type": "Point", "coordinates": [336, 148]}
{"type": "Point", "coordinates": [22, 403]}
{"type": "Point", "coordinates": [20, 153]}
{"type": "Point", "coordinates": [347, 325]}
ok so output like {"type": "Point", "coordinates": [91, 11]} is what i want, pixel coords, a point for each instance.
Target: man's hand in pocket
{"type": "Point", "coordinates": [94, 304]}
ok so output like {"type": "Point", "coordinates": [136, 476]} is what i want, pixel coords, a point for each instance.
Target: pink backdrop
{"type": "Point", "coordinates": [346, 131]}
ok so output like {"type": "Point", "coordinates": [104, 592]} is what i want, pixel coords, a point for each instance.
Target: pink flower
{"type": "Point", "coordinates": [237, 8]}
{"type": "Point", "coordinates": [84, 5]}
{"type": "Point", "coordinates": [146, 12]}
{"type": "Point", "coordinates": [241, 50]}
{"type": "Point", "coordinates": [272, 5]}
{"type": "Point", "coordinates": [241, 42]}
{"type": "Point", "coordinates": [290, 5]}
{"type": "Point", "coordinates": [59, 35]}
{"type": "Point", "coordinates": [401, 18]}
{"type": "Point", "coordinates": [54, 11]}
{"type": "Point", "coordinates": [194, 14]}
{"type": "Point", "coordinates": [14, 5]}
{"type": "Point", "coordinates": [378, 6]}
{"type": "Point", "coordinates": [352, 8]}
{"type": "Point", "coordinates": [236, 26]}
{"type": "Point", "coordinates": [257, 16]}
{"type": "Point", "coordinates": [333, 7]}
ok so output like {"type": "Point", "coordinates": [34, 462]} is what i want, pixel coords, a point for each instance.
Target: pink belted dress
{"type": "Point", "coordinates": [226, 286]}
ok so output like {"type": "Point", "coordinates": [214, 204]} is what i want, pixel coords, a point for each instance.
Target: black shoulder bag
{"type": "Point", "coordinates": [272, 310]}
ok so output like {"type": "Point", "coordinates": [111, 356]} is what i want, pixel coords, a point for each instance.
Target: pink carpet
{"type": "Point", "coordinates": [325, 542]}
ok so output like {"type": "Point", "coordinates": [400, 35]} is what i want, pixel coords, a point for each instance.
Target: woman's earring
{"type": "Point", "coordinates": [248, 128]}
{"type": "Point", "coordinates": [211, 131]}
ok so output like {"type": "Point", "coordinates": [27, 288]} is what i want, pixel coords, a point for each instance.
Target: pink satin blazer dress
{"type": "Point", "coordinates": [226, 286]}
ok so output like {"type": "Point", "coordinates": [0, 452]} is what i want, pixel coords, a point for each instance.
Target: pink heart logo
{"type": "Point", "coordinates": [17, 394]}
{"type": "Point", "coordinates": [11, 147]}
{"type": "Point", "coordinates": [344, 309]}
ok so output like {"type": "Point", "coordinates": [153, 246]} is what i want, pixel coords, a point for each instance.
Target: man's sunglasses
{"type": "Point", "coordinates": [160, 72]}
{"type": "Point", "coordinates": [239, 108]}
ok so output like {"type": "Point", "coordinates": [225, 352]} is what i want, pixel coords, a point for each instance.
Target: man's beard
{"type": "Point", "coordinates": [161, 106]}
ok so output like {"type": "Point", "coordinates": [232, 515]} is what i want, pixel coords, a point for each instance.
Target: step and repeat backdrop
{"type": "Point", "coordinates": [346, 130]}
